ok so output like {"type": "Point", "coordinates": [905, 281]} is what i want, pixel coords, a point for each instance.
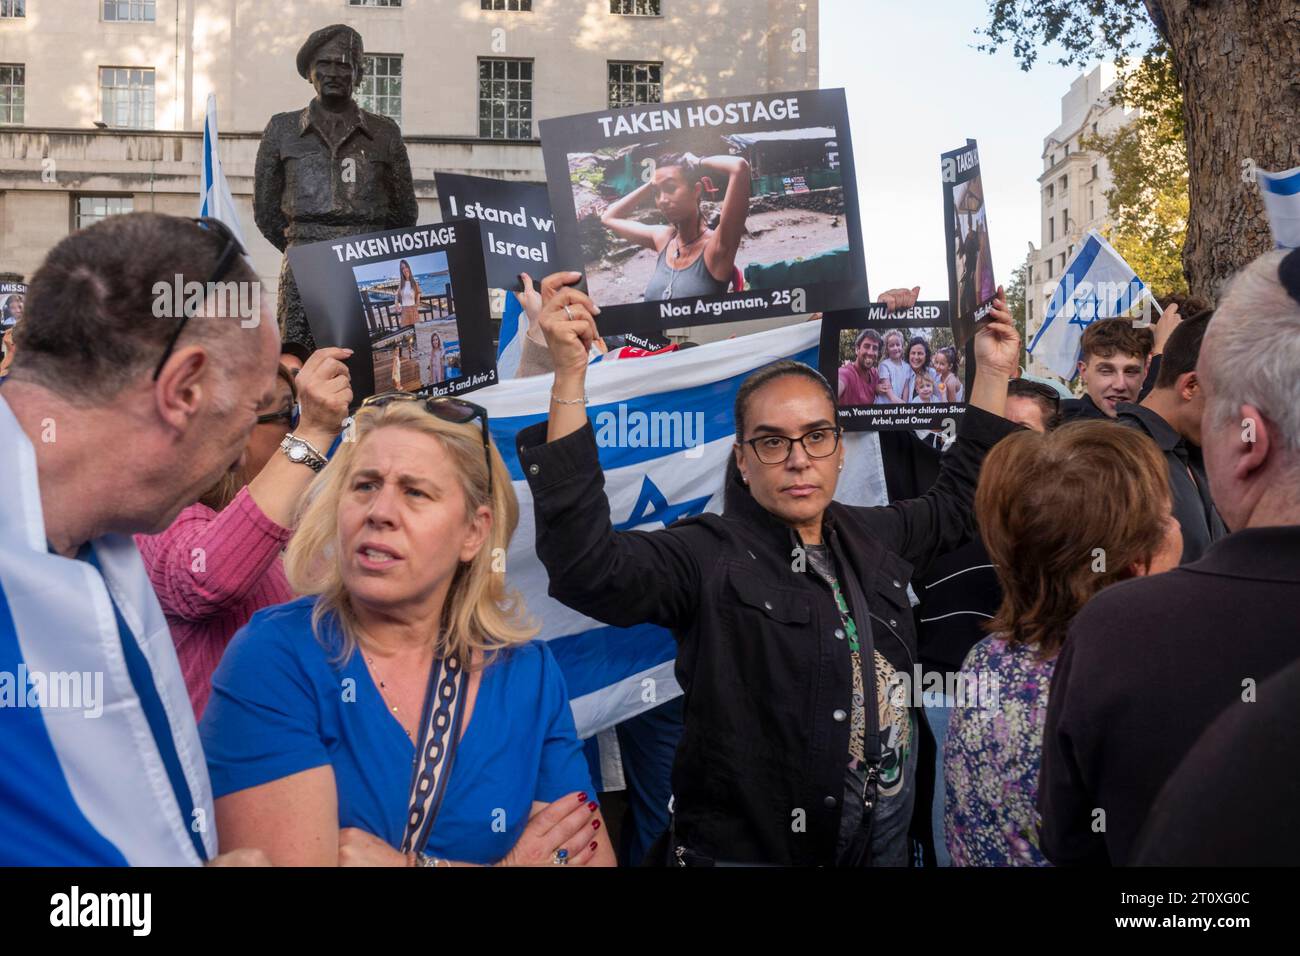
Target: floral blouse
{"type": "Point", "coordinates": [991, 758]}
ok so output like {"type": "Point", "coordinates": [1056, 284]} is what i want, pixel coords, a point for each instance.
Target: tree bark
{"type": "Point", "coordinates": [1238, 65]}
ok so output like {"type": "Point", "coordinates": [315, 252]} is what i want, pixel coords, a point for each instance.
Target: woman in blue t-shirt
{"type": "Point", "coordinates": [399, 714]}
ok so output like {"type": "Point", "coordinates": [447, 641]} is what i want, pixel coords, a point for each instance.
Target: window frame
{"type": "Point", "coordinates": [153, 97]}
{"type": "Point", "coordinates": [611, 65]}
{"type": "Point", "coordinates": [77, 198]}
{"type": "Point", "coordinates": [9, 105]}
{"type": "Point", "coordinates": [620, 13]}
{"type": "Point", "coordinates": [505, 119]}
{"type": "Point", "coordinates": [375, 97]}
{"type": "Point", "coordinates": [103, 11]}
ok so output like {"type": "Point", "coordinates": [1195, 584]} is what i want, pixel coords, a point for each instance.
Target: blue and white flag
{"type": "Point", "coordinates": [1097, 284]}
{"type": "Point", "coordinates": [215, 199]}
{"type": "Point", "coordinates": [510, 344]}
{"type": "Point", "coordinates": [665, 428]}
{"type": "Point", "coordinates": [1281, 194]}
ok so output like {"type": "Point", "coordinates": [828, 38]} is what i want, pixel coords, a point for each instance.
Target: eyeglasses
{"type": "Point", "coordinates": [775, 449]}
{"type": "Point", "coordinates": [287, 415]}
{"type": "Point", "coordinates": [225, 261]}
{"type": "Point", "coordinates": [454, 410]}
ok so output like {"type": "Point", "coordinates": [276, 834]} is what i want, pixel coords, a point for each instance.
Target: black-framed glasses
{"type": "Point", "coordinates": [776, 449]}
{"type": "Point", "coordinates": [289, 416]}
{"type": "Point", "coordinates": [229, 256]}
{"type": "Point", "coordinates": [454, 410]}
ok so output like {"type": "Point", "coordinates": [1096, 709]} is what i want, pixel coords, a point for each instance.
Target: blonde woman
{"type": "Point", "coordinates": [408, 294]}
{"type": "Point", "coordinates": [406, 652]}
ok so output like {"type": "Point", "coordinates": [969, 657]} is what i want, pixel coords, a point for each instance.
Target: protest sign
{"type": "Point", "coordinates": [411, 303]}
{"type": "Point", "coordinates": [971, 283]}
{"type": "Point", "coordinates": [709, 211]}
{"type": "Point", "coordinates": [13, 295]}
{"type": "Point", "coordinates": [515, 224]}
{"type": "Point", "coordinates": [894, 370]}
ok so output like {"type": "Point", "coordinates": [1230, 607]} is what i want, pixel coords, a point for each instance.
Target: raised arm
{"type": "Point", "coordinates": [620, 578]}
{"type": "Point", "coordinates": [921, 529]}
{"type": "Point", "coordinates": [614, 218]}
{"type": "Point", "coordinates": [735, 210]}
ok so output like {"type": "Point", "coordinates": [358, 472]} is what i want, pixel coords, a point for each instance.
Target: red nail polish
{"type": "Point", "coordinates": [593, 845]}
{"type": "Point", "coordinates": [582, 798]}
{"type": "Point", "coordinates": [592, 806]}
{"type": "Point", "coordinates": [595, 824]}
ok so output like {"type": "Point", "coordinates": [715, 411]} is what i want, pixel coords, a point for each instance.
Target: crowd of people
{"type": "Point", "coordinates": [301, 649]}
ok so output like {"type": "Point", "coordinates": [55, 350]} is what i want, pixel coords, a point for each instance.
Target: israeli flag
{"type": "Point", "coordinates": [1097, 284]}
{"type": "Point", "coordinates": [665, 428]}
{"type": "Point", "coordinates": [1281, 194]}
{"type": "Point", "coordinates": [215, 199]}
{"type": "Point", "coordinates": [510, 343]}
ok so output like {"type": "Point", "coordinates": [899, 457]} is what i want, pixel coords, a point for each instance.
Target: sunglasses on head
{"type": "Point", "coordinates": [454, 410]}
{"type": "Point", "coordinates": [229, 256]}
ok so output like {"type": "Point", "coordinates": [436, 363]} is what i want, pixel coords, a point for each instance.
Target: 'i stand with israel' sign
{"type": "Point", "coordinates": [1097, 284]}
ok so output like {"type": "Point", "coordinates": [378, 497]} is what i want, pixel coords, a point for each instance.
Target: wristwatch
{"type": "Point", "coordinates": [301, 452]}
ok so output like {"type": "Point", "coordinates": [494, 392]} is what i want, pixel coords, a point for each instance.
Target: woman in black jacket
{"type": "Point", "coordinates": [784, 607]}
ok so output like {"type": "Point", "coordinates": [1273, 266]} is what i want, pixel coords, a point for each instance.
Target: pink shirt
{"type": "Point", "coordinates": [854, 388]}
{"type": "Point", "coordinates": [211, 572]}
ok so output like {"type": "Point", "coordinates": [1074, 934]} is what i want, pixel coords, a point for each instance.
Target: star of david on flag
{"type": "Point", "coordinates": [1096, 284]}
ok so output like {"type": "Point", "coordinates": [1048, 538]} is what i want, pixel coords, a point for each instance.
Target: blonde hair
{"type": "Point", "coordinates": [479, 614]}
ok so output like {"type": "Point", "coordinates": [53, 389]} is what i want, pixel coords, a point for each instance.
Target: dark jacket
{"type": "Point", "coordinates": [1147, 666]}
{"type": "Point", "coordinates": [1193, 507]}
{"type": "Point", "coordinates": [1073, 409]}
{"type": "Point", "coordinates": [761, 655]}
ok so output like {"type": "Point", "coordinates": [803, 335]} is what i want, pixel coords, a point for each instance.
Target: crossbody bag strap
{"type": "Point", "coordinates": [872, 749]}
{"type": "Point", "coordinates": [444, 708]}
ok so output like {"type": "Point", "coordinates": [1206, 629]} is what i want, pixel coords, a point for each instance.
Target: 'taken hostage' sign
{"type": "Point", "coordinates": [411, 304]}
{"type": "Point", "coordinates": [708, 211]}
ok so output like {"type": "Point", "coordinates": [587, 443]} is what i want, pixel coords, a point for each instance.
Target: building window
{"type": "Point", "coordinates": [13, 8]}
{"type": "Point", "coordinates": [1031, 310]}
{"type": "Point", "coordinates": [1031, 275]}
{"type": "Point", "coordinates": [635, 8]}
{"type": "Point", "coordinates": [381, 85]}
{"type": "Point", "coordinates": [1051, 191]}
{"type": "Point", "coordinates": [91, 209]}
{"type": "Point", "coordinates": [142, 10]}
{"type": "Point", "coordinates": [1053, 162]}
{"type": "Point", "coordinates": [634, 83]}
{"type": "Point", "coordinates": [1065, 221]}
{"type": "Point", "coordinates": [374, 3]}
{"type": "Point", "coordinates": [126, 97]}
{"type": "Point", "coordinates": [505, 99]}
{"type": "Point", "coordinates": [522, 6]}
{"type": "Point", "coordinates": [11, 93]}
{"type": "Point", "coordinates": [1094, 172]}
{"type": "Point", "coordinates": [1065, 183]}
{"type": "Point", "coordinates": [1094, 129]}
{"type": "Point", "coordinates": [1051, 229]}
{"type": "Point", "coordinates": [1092, 211]}
{"type": "Point", "coordinates": [1049, 267]}
{"type": "Point", "coordinates": [1062, 262]}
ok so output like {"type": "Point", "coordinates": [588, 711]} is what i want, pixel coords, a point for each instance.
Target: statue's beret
{"type": "Point", "coordinates": [307, 52]}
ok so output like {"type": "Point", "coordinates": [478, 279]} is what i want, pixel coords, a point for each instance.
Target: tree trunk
{"type": "Point", "coordinates": [1239, 68]}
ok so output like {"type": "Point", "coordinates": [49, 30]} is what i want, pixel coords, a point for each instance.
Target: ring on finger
{"type": "Point", "coordinates": [561, 856]}
{"type": "Point", "coordinates": [569, 312]}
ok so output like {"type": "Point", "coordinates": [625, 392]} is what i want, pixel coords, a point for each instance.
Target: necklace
{"type": "Point", "coordinates": [383, 687]}
{"type": "Point", "coordinates": [678, 254]}
{"type": "Point", "coordinates": [672, 273]}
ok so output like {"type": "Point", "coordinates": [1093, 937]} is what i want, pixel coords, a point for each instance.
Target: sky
{"type": "Point", "coordinates": [917, 87]}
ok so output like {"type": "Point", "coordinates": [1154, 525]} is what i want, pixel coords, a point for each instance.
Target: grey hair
{"type": "Point", "coordinates": [1251, 350]}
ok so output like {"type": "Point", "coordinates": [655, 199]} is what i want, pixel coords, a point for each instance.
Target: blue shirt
{"type": "Point", "coordinates": [281, 704]}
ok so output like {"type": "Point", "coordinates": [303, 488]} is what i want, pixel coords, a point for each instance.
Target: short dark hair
{"type": "Point", "coordinates": [868, 334]}
{"type": "Point", "coordinates": [1108, 336]}
{"type": "Point", "coordinates": [770, 373]}
{"type": "Point", "coordinates": [1048, 399]}
{"type": "Point", "coordinates": [1183, 349]}
{"type": "Point", "coordinates": [90, 325]}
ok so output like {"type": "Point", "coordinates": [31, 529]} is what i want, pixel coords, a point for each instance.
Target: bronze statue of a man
{"type": "Point", "coordinates": [329, 170]}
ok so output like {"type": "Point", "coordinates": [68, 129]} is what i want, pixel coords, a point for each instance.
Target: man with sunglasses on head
{"type": "Point", "coordinates": [241, 524]}
{"type": "Point", "coordinates": [117, 413]}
